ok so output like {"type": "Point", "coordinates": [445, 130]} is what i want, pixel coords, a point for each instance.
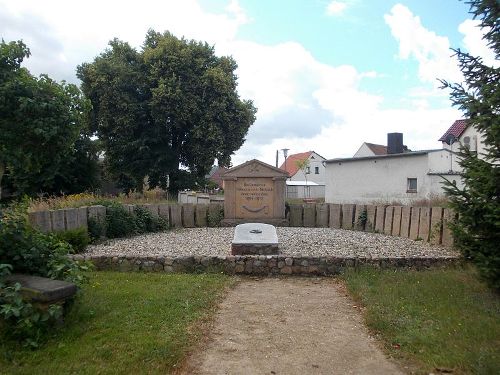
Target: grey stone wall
{"type": "Point", "coordinates": [258, 264]}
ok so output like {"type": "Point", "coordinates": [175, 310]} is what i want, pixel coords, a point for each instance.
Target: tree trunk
{"type": "Point", "coordinates": [2, 171]}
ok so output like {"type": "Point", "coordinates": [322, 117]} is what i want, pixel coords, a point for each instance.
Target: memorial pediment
{"type": "Point", "coordinates": [254, 168]}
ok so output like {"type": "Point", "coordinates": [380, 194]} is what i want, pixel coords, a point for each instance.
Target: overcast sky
{"type": "Point", "coordinates": [325, 75]}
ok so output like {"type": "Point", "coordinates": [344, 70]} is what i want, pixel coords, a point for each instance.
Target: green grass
{"type": "Point", "coordinates": [435, 319]}
{"type": "Point", "coordinates": [125, 323]}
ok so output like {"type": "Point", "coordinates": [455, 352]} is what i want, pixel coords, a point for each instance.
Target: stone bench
{"type": "Point", "coordinates": [254, 239]}
{"type": "Point", "coordinates": [43, 291]}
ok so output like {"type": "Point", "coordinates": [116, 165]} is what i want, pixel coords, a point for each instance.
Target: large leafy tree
{"type": "Point", "coordinates": [477, 231]}
{"type": "Point", "coordinates": [80, 170]}
{"type": "Point", "coordinates": [40, 120]}
{"type": "Point", "coordinates": [165, 112]}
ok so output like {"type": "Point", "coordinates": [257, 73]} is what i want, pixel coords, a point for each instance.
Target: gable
{"type": "Point", "coordinates": [254, 168]}
{"type": "Point", "coordinates": [455, 130]}
{"type": "Point", "coordinates": [291, 162]}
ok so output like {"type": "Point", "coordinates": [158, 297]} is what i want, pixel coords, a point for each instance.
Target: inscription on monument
{"type": "Point", "coordinates": [254, 197]}
{"type": "Point", "coordinates": [254, 192]}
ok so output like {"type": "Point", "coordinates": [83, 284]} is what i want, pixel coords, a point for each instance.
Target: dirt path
{"type": "Point", "coordinates": [289, 326]}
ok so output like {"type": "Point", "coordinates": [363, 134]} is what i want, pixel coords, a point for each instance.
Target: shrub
{"type": "Point", "coordinates": [24, 320]}
{"type": "Point", "coordinates": [214, 219]}
{"type": "Point", "coordinates": [362, 218]}
{"type": "Point", "coordinates": [26, 250]}
{"type": "Point", "coordinates": [145, 221]}
{"type": "Point", "coordinates": [119, 222]}
{"type": "Point", "coordinates": [77, 238]}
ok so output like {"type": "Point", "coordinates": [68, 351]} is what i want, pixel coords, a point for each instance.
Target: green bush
{"type": "Point", "coordinates": [26, 250]}
{"type": "Point", "coordinates": [119, 222]}
{"type": "Point", "coordinates": [214, 219]}
{"type": "Point", "coordinates": [77, 238]}
{"type": "Point", "coordinates": [362, 218]}
{"type": "Point", "coordinates": [24, 320]}
{"type": "Point", "coordinates": [96, 229]}
{"type": "Point", "coordinates": [145, 221]}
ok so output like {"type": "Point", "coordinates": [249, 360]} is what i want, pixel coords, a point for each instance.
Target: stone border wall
{"type": "Point", "coordinates": [176, 215]}
{"type": "Point", "coordinates": [429, 224]}
{"type": "Point", "coordinates": [258, 264]}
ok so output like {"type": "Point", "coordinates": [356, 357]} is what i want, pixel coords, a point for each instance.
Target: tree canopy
{"type": "Point", "coordinates": [477, 231]}
{"type": "Point", "coordinates": [165, 112]}
{"type": "Point", "coordinates": [40, 120]}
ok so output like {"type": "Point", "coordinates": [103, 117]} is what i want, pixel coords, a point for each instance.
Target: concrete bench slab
{"type": "Point", "coordinates": [255, 239]}
{"type": "Point", "coordinates": [42, 289]}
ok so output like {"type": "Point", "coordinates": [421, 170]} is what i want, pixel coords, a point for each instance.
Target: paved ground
{"type": "Point", "coordinates": [289, 326]}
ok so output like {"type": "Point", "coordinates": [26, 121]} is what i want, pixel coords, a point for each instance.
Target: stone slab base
{"type": "Point", "coordinates": [253, 249]}
{"type": "Point", "coordinates": [235, 222]}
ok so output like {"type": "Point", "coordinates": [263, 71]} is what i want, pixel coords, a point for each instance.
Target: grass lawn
{"type": "Point", "coordinates": [433, 320]}
{"type": "Point", "coordinates": [125, 323]}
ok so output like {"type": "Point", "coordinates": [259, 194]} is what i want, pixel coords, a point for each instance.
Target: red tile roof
{"type": "Point", "coordinates": [216, 176]}
{"type": "Point", "coordinates": [456, 130]}
{"type": "Point", "coordinates": [377, 149]}
{"type": "Point", "coordinates": [291, 165]}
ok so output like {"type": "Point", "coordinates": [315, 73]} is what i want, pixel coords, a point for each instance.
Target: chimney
{"type": "Point", "coordinates": [394, 143]}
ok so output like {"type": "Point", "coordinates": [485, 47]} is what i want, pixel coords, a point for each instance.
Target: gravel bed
{"type": "Point", "coordinates": [313, 242]}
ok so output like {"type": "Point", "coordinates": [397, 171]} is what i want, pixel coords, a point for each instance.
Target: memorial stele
{"type": "Point", "coordinates": [254, 192]}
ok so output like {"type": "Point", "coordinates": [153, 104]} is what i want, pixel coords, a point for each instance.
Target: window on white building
{"type": "Point", "coordinates": [308, 170]}
{"type": "Point", "coordinates": [411, 185]}
{"type": "Point", "coordinates": [316, 170]}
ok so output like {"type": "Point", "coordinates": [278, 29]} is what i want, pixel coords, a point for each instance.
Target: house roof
{"type": "Point", "coordinates": [216, 175]}
{"type": "Point", "coordinates": [406, 154]}
{"type": "Point", "coordinates": [291, 165]}
{"type": "Point", "coordinates": [212, 171]}
{"type": "Point", "coordinates": [456, 130]}
{"type": "Point", "coordinates": [377, 149]}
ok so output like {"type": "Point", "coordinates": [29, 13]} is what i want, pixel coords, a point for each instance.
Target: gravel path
{"type": "Point", "coordinates": [293, 241]}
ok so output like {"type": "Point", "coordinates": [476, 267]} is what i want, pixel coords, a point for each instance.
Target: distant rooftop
{"type": "Point", "coordinates": [455, 130]}
{"type": "Point", "coordinates": [405, 154]}
{"type": "Point", "coordinates": [291, 165]}
{"type": "Point", "coordinates": [377, 149]}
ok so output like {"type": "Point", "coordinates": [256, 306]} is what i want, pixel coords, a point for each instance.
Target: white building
{"type": "Point", "coordinates": [314, 173]}
{"type": "Point", "coordinates": [398, 175]}
{"type": "Point", "coordinates": [460, 134]}
{"type": "Point", "coordinates": [303, 189]}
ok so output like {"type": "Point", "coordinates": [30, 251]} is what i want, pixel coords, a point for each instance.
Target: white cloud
{"type": "Point", "coordinates": [336, 8]}
{"type": "Point", "coordinates": [430, 50]}
{"type": "Point", "coordinates": [287, 79]}
{"type": "Point", "coordinates": [302, 103]}
{"type": "Point", "coordinates": [77, 32]}
{"type": "Point", "coordinates": [475, 44]}
{"type": "Point", "coordinates": [421, 127]}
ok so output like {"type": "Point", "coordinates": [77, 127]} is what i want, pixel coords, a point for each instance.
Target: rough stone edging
{"type": "Point", "coordinates": [258, 264]}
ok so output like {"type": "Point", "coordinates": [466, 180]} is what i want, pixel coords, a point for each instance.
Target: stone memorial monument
{"type": "Point", "coordinates": [254, 192]}
{"type": "Point", "coordinates": [254, 239]}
